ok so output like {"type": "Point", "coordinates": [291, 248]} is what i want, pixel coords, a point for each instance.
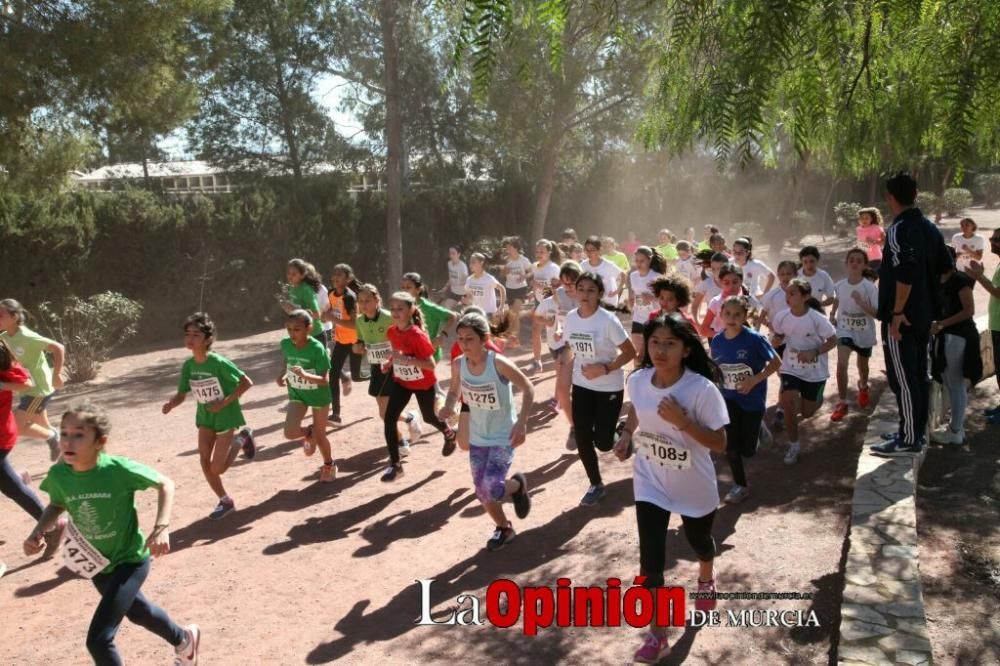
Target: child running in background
{"type": "Point", "coordinates": [104, 541]}
{"type": "Point", "coordinates": [517, 274]}
{"type": "Point", "coordinates": [775, 300]}
{"type": "Point", "coordinates": [871, 237]}
{"type": "Point", "coordinates": [649, 267]}
{"type": "Point", "coordinates": [545, 275]}
{"type": "Point", "coordinates": [217, 385]}
{"type": "Point", "coordinates": [551, 314]}
{"type": "Point", "coordinates": [482, 289]}
{"type": "Point", "coordinates": [676, 420]}
{"type": "Point", "coordinates": [601, 348]}
{"type": "Point", "coordinates": [373, 324]}
{"type": "Point", "coordinates": [15, 379]}
{"type": "Point", "coordinates": [458, 272]}
{"type": "Point", "coordinates": [855, 307]}
{"type": "Point", "coordinates": [30, 351]}
{"type": "Point", "coordinates": [673, 295]}
{"type": "Point", "coordinates": [488, 429]}
{"type": "Point", "coordinates": [611, 275]}
{"type": "Point", "coordinates": [343, 313]}
{"type": "Point", "coordinates": [438, 320]}
{"type": "Point", "coordinates": [412, 367]}
{"type": "Point", "coordinates": [757, 276]}
{"type": "Point", "coordinates": [746, 359]}
{"type": "Point", "coordinates": [304, 285]}
{"type": "Point", "coordinates": [807, 336]}
{"type": "Point", "coordinates": [819, 280]}
{"type": "Point", "coordinates": [731, 277]}
{"type": "Point", "coordinates": [710, 286]}
{"type": "Point", "coordinates": [687, 266]}
{"type": "Point", "coordinates": [307, 375]}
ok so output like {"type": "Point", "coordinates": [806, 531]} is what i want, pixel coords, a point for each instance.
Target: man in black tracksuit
{"type": "Point", "coordinates": [914, 257]}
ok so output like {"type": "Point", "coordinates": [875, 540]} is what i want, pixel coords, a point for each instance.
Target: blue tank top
{"type": "Point", "coordinates": [490, 398]}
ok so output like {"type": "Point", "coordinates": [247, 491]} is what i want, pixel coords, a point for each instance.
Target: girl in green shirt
{"type": "Point", "coordinates": [303, 293]}
{"type": "Point", "coordinates": [104, 542]}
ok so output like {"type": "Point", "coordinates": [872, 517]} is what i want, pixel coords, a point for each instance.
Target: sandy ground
{"type": "Point", "coordinates": [311, 573]}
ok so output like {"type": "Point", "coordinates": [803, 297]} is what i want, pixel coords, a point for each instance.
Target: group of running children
{"type": "Point", "coordinates": [685, 399]}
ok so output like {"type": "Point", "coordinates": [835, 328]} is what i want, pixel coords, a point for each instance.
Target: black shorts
{"type": "Point", "coordinates": [637, 327]}
{"type": "Point", "coordinates": [811, 391]}
{"type": "Point", "coordinates": [865, 352]}
{"type": "Point", "coordinates": [379, 384]}
{"type": "Point", "coordinates": [517, 294]}
{"type": "Point", "coordinates": [558, 354]}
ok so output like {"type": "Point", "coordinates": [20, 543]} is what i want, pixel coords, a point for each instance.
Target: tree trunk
{"type": "Point", "coordinates": [780, 232]}
{"type": "Point", "coordinates": [394, 136]}
{"type": "Point", "coordinates": [546, 185]}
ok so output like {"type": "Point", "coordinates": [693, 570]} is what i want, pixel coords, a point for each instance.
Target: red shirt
{"type": "Point", "coordinates": [413, 342]}
{"type": "Point", "coordinates": [456, 351]}
{"type": "Point", "coordinates": [8, 425]}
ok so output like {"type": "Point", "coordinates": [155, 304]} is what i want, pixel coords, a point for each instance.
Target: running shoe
{"type": "Point", "coordinates": [404, 447]}
{"type": "Point", "coordinates": [703, 603]}
{"type": "Point", "coordinates": [571, 440]}
{"type": "Point", "coordinates": [839, 412]}
{"type": "Point", "coordinates": [53, 442]}
{"type": "Point", "coordinates": [222, 508]}
{"type": "Point", "coordinates": [897, 447]}
{"type": "Point", "coordinates": [249, 447]}
{"type": "Point", "coordinates": [889, 436]}
{"type": "Point", "coordinates": [593, 495]}
{"type": "Point", "coordinates": [653, 649]}
{"type": "Point", "coordinates": [864, 397]}
{"type": "Point", "coordinates": [552, 405]}
{"type": "Point", "coordinates": [449, 443]}
{"type": "Point", "coordinates": [792, 456]}
{"type": "Point", "coordinates": [522, 501]}
{"type": "Point", "coordinates": [416, 426]}
{"type": "Point", "coordinates": [992, 411]}
{"type": "Point", "coordinates": [765, 437]}
{"type": "Point", "coordinates": [392, 472]}
{"type": "Point", "coordinates": [501, 537]}
{"type": "Point", "coordinates": [335, 417]}
{"type": "Point", "coordinates": [346, 385]}
{"type": "Point", "coordinates": [187, 652]}
{"type": "Point", "coordinates": [535, 367]}
{"type": "Point", "coordinates": [736, 494]}
{"type": "Point", "coordinates": [327, 473]}
{"type": "Point", "coordinates": [54, 539]}
{"type": "Point", "coordinates": [308, 446]}
{"type": "Point", "coordinates": [948, 436]}
{"type": "Point", "coordinates": [778, 422]}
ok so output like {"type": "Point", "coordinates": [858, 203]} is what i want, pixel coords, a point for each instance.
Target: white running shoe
{"type": "Point", "coordinates": [948, 436]}
{"type": "Point", "coordinates": [416, 426]}
{"type": "Point", "coordinates": [187, 652]}
{"type": "Point", "coordinates": [346, 385]}
{"type": "Point", "coordinates": [793, 454]}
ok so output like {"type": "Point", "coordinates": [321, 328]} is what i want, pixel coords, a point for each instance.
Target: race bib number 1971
{"type": "Point", "coordinates": [79, 556]}
{"type": "Point", "coordinates": [583, 345]}
{"type": "Point", "coordinates": [659, 449]}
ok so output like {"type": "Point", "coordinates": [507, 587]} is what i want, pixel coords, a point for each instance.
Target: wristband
{"type": "Point", "coordinates": [897, 314]}
{"type": "Point", "coordinates": [161, 526]}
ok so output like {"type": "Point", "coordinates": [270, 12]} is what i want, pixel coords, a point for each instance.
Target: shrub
{"type": "Point", "coordinates": [988, 185]}
{"type": "Point", "coordinates": [803, 223]}
{"type": "Point", "coordinates": [845, 214]}
{"type": "Point", "coordinates": [90, 328]}
{"type": "Point", "coordinates": [955, 200]}
{"type": "Point", "coordinates": [929, 203]}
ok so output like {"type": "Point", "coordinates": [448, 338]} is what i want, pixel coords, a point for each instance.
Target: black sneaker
{"type": "Point", "coordinates": [593, 495]}
{"type": "Point", "coordinates": [889, 436]}
{"type": "Point", "coordinates": [522, 501]}
{"type": "Point", "coordinates": [501, 537]}
{"type": "Point", "coordinates": [897, 447]}
{"type": "Point", "coordinates": [449, 444]}
{"type": "Point", "coordinates": [221, 509]}
{"type": "Point", "coordinates": [571, 440]}
{"type": "Point", "coordinates": [335, 417]}
{"type": "Point", "coordinates": [247, 443]}
{"type": "Point", "coordinates": [392, 472]}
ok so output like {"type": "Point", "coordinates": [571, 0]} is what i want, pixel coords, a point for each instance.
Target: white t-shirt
{"type": "Point", "coordinates": [518, 271]}
{"type": "Point", "coordinates": [324, 305]}
{"type": "Point", "coordinates": [641, 285]}
{"type": "Point", "coordinates": [821, 283]}
{"type": "Point", "coordinates": [555, 308]}
{"type": "Point", "coordinates": [852, 321]}
{"type": "Point", "coordinates": [609, 274]}
{"type": "Point", "coordinates": [804, 333]}
{"type": "Point", "coordinates": [709, 288]}
{"type": "Point", "coordinates": [458, 273]}
{"type": "Point", "coordinates": [482, 291]}
{"type": "Point", "coordinates": [774, 302]}
{"type": "Point", "coordinates": [715, 307]}
{"type": "Point", "coordinates": [595, 339]}
{"type": "Point", "coordinates": [689, 269]}
{"type": "Point", "coordinates": [976, 243]}
{"type": "Point", "coordinates": [542, 278]}
{"type": "Point", "coordinates": [671, 469]}
{"type": "Point", "coordinates": [755, 276]}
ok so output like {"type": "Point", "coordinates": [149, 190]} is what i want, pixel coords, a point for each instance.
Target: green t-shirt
{"type": "Point", "coordinates": [29, 350]}
{"type": "Point", "coordinates": [373, 331]}
{"type": "Point", "coordinates": [668, 250]}
{"type": "Point", "coordinates": [305, 297]}
{"type": "Point", "coordinates": [994, 306]}
{"type": "Point", "coordinates": [435, 317]}
{"type": "Point", "coordinates": [619, 259]}
{"type": "Point", "coordinates": [215, 379]}
{"type": "Point", "coordinates": [702, 246]}
{"type": "Point", "coordinates": [101, 502]}
{"type": "Point", "coordinates": [313, 359]}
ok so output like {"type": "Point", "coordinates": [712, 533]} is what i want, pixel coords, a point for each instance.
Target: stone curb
{"type": "Point", "coordinates": [882, 613]}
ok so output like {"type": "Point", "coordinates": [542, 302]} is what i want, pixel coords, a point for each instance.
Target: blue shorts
{"type": "Point", "coordinates": [490, 465]}
{"type": "Point", "coordinates": [865, 352]}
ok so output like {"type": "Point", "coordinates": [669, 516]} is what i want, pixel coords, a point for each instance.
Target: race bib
{"type": "Point", "coordinates": [659, 449]}
{"type": "Point", "coordinates": [481, 396]}
{"type": "Point", "coordinates": [337, 313]}
{"type": "Point", "coordinates": [206, 390]}
{"type": "Point", "coordinates": [378, 353]}
{"type": "Point", "coordinates": [854, 322]}
{"type": "Point", "coordinates": [477, 292]}
{"type": "Point", "coordinates": [298, 383]}
{"type": "Point", "coordinates": [583, 345]}
{"type": "Point", "coordinates": [793, 360]}
{"type": "Point", "coordinates": [79, 556]}
{"type": "Point", "coordinates": [733, 374]}
{"type": "Point", "coordinates": [406, 373]}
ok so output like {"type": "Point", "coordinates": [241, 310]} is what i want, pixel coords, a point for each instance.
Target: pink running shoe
{"type": "Point", "coordinates": [308, 446]}
{"type": "Point", "coordinates": [653, 649]}
{"type": "Point", "coordinates": [705, 604]}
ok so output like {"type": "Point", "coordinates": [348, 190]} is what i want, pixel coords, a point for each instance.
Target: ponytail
{"type": "Point", "coordinates": [555, 253]}
{"type": "Point", "coordinates": [352, 282]}
{"type": "Point", "coordinates": [417, 318]}
{"type": "Point", "coordinates": [418, 282]}
{"type": "Point", "coordinates": [814, 303]}
{"type": "Point", "coordinates": [657, 262]}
